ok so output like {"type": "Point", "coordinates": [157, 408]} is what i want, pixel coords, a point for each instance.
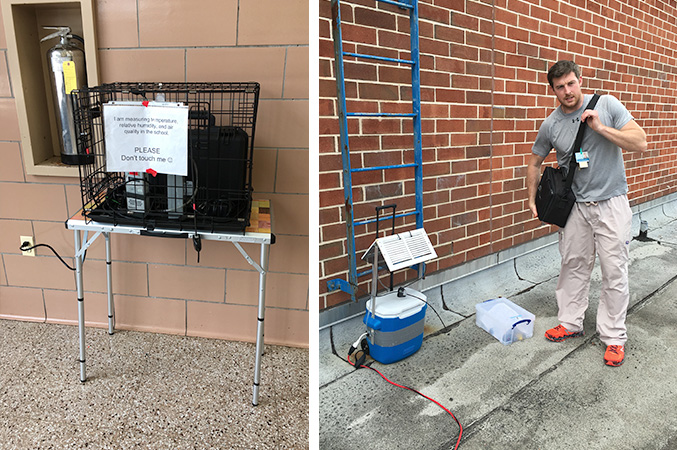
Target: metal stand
{"type": "Point", "coordinates": [78, 224]}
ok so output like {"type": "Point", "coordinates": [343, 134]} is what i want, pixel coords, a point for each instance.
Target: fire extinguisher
{"type": "Point", "coordinates": [66, 62]}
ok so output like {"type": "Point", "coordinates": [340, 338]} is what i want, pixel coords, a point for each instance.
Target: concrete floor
{"type": "Point", "coordinates": [533, 394]}
{"type": "Point", "coordinates": [146, 391]}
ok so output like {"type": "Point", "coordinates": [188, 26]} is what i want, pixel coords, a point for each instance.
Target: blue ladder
{"type": "Point", "coordinates": [350, 286]}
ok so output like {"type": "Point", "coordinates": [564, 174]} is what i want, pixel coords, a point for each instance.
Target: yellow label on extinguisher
{"type": "Point", "coordinates": [70, 80]}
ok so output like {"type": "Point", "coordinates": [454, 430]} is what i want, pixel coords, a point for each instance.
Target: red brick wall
{"type": "Point", "coordinates": [484, 94]}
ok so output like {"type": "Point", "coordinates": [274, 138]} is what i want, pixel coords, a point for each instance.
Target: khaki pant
{"type": "Point", "coordinates": [601, 228]}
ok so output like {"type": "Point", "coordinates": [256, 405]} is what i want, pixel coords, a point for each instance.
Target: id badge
{"type": "Point", "coordinates": [582, 159]}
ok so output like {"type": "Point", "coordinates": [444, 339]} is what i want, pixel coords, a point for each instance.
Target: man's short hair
{"type": "Point", "coordinates": [561, 68]}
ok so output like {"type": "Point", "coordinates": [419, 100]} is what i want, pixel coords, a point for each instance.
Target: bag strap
{"type": "Point", "coordinates": [577, 144]}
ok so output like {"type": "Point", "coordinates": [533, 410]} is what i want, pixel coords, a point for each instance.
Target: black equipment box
{"type": "Point", "coordinates": [216, 193]}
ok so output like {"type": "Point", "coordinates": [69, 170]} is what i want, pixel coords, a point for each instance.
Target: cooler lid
{"type": "Point", "coordinates": [390, 306]}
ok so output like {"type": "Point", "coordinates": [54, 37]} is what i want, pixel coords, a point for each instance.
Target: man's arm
{"type": "Point", "coordinates": [631, 137]}
{"type": "Point", "coordinates": [533, 176]}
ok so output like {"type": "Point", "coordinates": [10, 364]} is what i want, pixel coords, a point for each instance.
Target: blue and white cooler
{"type": "Point", "coordinates": [396, 330]}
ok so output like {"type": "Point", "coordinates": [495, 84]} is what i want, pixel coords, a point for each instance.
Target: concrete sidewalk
{"type": "Point", "coordinates": [533, 394]}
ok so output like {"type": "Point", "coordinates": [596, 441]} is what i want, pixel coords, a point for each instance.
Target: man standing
{"type": "Point", "coordinates": [601, 218]}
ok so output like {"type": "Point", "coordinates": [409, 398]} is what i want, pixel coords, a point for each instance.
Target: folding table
{"type": "Point", "coordinates": [260, 232]}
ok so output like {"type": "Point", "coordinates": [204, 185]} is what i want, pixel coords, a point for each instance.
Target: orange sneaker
{"type": "Point", "coordinates": [559, 334]}
{"type": "Point", "coordinates": [614, 355]}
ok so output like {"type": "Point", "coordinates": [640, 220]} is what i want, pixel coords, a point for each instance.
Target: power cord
{"type": "Point", "coordinates": [424, 301]}
{"type": "Point", "coordinates": [25, 247]}
{"type": "Point", "coordinates": [360, 363]}
{"type": "Point", "coordinates": [401, 292]}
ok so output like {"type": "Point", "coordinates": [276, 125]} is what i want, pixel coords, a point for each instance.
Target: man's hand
{"type": "Point", "coordinates": [533, 175]}
{"type": "Point", "coordinates": [591, 117]}
{"type": "Point", "coordinates": [631, 137]}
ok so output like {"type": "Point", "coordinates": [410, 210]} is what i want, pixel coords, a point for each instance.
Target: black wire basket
{"type": "Point", "coordinates": [216, 192]}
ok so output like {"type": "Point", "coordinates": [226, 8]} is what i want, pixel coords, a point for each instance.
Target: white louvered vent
{"type": "Point", "coordinates": [404, 249]}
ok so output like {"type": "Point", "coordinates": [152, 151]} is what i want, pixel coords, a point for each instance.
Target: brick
{"type": "Point", "coordinates": [378, 91]}
{"type": "Point", "coordinates": [397, 142]}
{"type": "Point", "coordinates": [383, 157]}
{"type": "Point", "coordinates": [435, 14]}
{"type": "Point", "coordinates": [465, 21]}
{"type": "Point", "coordinates": [425, 29]}
{"type": "Point", "coordinates": [359, 71]}
{"type": "Point", "coordinates": [326, 107]}
{"type": "Point", "coordinates": [518, 34]}
{"type": "Point", "coordinates": [332, 197]}
{"type": "Point", "coordinates": [381, 126]}
{"type": "Point", "coordinates": [437, 169]}
{"type": "Point", "coordinates": [333, 232]}
{"type": "Point", "coordinates": [464, 52]}
{"type": "Point", "coordinates": [478, 40]}
{"type": "Point", "coordinates": [435, 79]}
{"type": "Point", "coordinates": [478, 151]}
{"type": "Point", "coordinates": [540, 13]}
{"type": "Point", "coordinates": [23, 303]}
{"type": "Point", "coordinates": [453, 126]}
{"type": "Point", "coordinates": [450, 95]}
{"type": "Point", "coordinates": [527, 49]}
{"type": "Point", "coordinates": [482, 69]}
{"type": "Point", "coordinates": [327, 88]}
{"type": "Point", "coordinates": [47, 201]}
{"type": "Point", "coordinates": [378, 19]}
{"type": "Point", "coordinates": [464, 82]}
{"type": "Point", "coordinates": [478, 97]}
{"type": "Point", "coordinates": [437, 140]}
{"type": "Point", "coordinates": [401, 174]}
{"type": "Point", "coordinates": [384, 190]}
{"type": "Point", "coordinates": [449, 34]}
{"type": "Point", "coordinates": [394, 40]}
{"type": "Point", "coordinates": [520, 7]}
{"type": "Point", "coordinates": [361, 106]}
{"type": "Point", "coordinates": [187, 283]}
{"type": "Point", "coordinates": [451, 181]}
{"type": "Point", "coordinates": [480, 9]}
{"type": "Point", "coordinates": [219, 28]}
{"type": "Point", "coordinates": [435, 47]}
{"type": "Point", "coordinates": [434, 110]}
{"type": "Point", "coordinates": [392, 74]}
{"type": "Point", "coordinates": [329, 180]}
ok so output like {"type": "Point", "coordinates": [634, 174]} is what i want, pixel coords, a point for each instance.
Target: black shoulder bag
{"type": "Point", "coordinates": [554, 197]}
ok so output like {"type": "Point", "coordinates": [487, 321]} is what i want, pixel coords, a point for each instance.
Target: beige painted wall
{"type": "Point", "coordinates": [158, 284]}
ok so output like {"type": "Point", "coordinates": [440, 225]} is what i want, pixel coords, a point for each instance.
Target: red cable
{"type": "Point", "coordinates": [460, 432]}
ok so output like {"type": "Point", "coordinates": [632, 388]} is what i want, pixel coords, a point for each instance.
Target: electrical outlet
{"type": "Point", "coordinates": [31, 243]}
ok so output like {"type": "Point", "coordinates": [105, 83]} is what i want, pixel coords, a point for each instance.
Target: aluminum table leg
{"type": "Point", "coordinates": [259, 326]}
{"type": "Point", "coordinates": [109, 279]}
{"type": "Point", "coordinates": [81, 304]}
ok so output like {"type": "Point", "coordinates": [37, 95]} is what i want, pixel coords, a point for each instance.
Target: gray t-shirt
{"type": "Point", "coordinates": [604, 177]}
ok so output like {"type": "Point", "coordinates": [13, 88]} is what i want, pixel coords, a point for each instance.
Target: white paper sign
{"type": "Point", "coordinates": [141, 136]}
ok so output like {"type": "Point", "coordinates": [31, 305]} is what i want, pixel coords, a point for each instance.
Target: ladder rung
{"type": "Point", "coordinates": [365, 222]}
{"type": "Point", "coordinates": [353, 114]}
{"type": "Point", "coordinates": [379, 58]}
{"type": "Point", "coordinates": [400, 4]}
{"type": "Point", "coordinates": [398, 166]}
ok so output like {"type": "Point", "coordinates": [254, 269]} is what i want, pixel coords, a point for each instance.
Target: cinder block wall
{"type": "Point", "coordinates": [484, 94]}
{"type": "Point", "coordinates": [158, 284]}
